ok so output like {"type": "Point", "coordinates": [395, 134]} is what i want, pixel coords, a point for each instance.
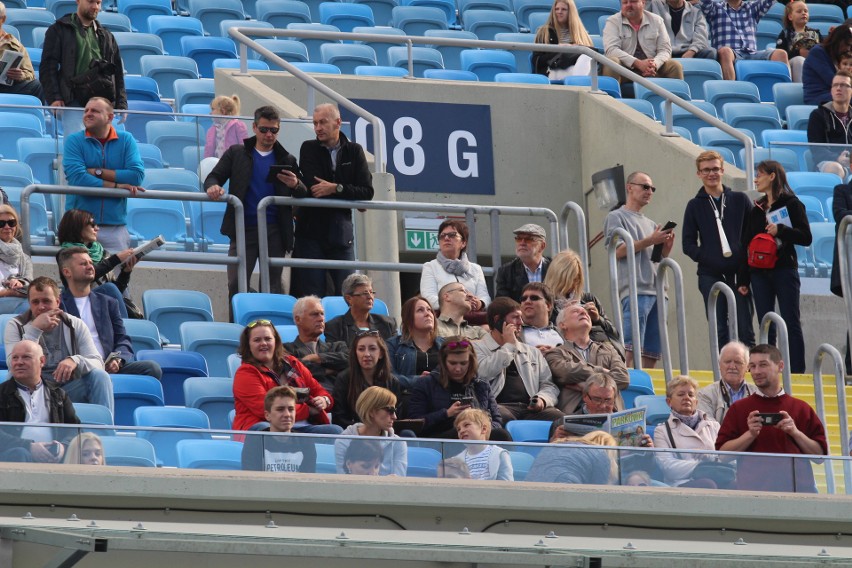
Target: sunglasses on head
{"type": "Point", "coordinates": [256, 323]}
{"type": "Point", "coordinates": [9, 223]}
{"type": "Point", "coordinates": [367, 333]}
{"type": "Point", "coordinates": [464, 343]}
{"type": "Point", "coordinates": [268, 129]}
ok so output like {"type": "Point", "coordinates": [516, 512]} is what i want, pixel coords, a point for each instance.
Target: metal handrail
{"type": "Point", "coordinates": [843, 233]}
{"type": "Point", "coordinates": [680, 311]}
{"type": "Point", "coordinates": [186, 257]}
{"type": "Point", "coordinates": [563, 242]}
{"type": "Point", "coordinates": [237, 34]}
{"type": "Point", "coordinates": [633, 298]}
{"type": "Point", "coordinates": [470, 210]}
{"type": "Point", "coordinates": [840, 383]}
{"type": "Point", "coordinates": [378, 128]}
{"type": "Point", "coordinates": [712, 320]}
{"type": "Point", "coordinates": [783, 343]}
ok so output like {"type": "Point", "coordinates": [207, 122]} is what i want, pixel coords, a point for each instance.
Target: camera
{"type": "Point", "coordinates": [771, 418]}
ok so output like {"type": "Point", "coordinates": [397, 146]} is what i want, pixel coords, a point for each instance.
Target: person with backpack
{"type": "Point", "coordinates": [777, 222]}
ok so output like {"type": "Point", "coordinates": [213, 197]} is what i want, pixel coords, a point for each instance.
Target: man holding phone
{"type": "Point", "coordinates": [773, 422]}
{"type": "Point", "coordinates": [258, 168]}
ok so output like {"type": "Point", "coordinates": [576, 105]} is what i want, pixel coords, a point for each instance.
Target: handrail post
{"type": "Point", "coordinates": [840, 383]}
{"type": "Point", "coordinates": [633, 301]}
{"type": "Point", "coordinates": [783, 344]}
{"type": "Point", "coordinates": [680, 311]}
{"type": "Point", "coordinates": [496, 259]}
{"type": "Point", "coordinates": [470, 221]}
{"type": "Point", "coordinates": [712, 299]}
{"type": "Point", "coordinates": [669, 119]}
{"type": "Point", "coordinates": [410, 48]}
{"type": "Point", "coordinates": [843, 231]}
{"type": "Point", "coordinates": [582, 242]}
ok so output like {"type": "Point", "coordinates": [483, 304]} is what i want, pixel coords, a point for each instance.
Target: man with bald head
{"type": "Point", "coordinates": [28, 399]}
{"type": "Point", "coordinates": [716, 399]}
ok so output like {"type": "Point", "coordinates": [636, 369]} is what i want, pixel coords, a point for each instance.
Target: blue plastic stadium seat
{"type": "Point", "coordinates": [798, 116]}
{"type": "Point", "coordinates": [828, 13]}
{"type": "Point", "coordinates": [279, 13]}
{"type": "Point", "coordinates": [206, 219]}
{"type": "Point", "coordinates": [171, 137]}
{"type": "Point", "coordinates": [522, 78]}
{"type": "Point", "coordinates": [813, 208]}
{"type": "Point", "coordinates": [15, 174]}
{"type": "Point", "coordinates": [234, 362]}
{"type": "Point", "coordinates": [40, 155]}
{"type": "Point", "coordinates": [423, 58]}
{"type": "Point", "coordinates": [497, 5]}
{"type": "Point", "coordinates": [14, 126]}
{"type": "Point", "coordinates": [423, 462]}
{"type": "Point", "coordinates": [684, 118]}
{"type": "Point", "coordinates": [251, 64]}
{"type": "Point", "coordinates": [640, 383]}
{"type": "Point", "coordinates": [823, 242]}
{"type": "Point", "coordinates": [382, 10]}
{"type": "Point", "coordinates": [61, 8]}
{"type": "Point", "coordinates": [27, 20]}
{"type": "Point", "coordinates": [193, 91]}
{"type": "Point", "coordinates": [115, 22]}
{"type": "Point", "coordinates": [380, 47]}
{"type": "Point", "coordinates": [289, 50]}
{"type": "Point", "coordinates": [210, 454]}
{"type": "Point", "coordinates": [139, 10]}
{"type": "Point", "coordinates": [143, 334]}
{"type": "Point", "coordinates": [487, 23]}
{"type": "Point", "coordinates": [96, 414]}
{"type": "Point", "coordinates": [225, 25]}
{"type": "Point", "coordinates": [334, 306]}
{"type": "Point", "coordinates": [188, 420]}
{"type": "Point", "coordinates": [450, 54]}
{"type": "Point", "coordinates": [486, 63]}
{"type": "Point", "coordinates": [448, 7]}
{"type": "Point", "coordinates": [450, 75]}
{"type": "Point", "coordinates": [170, 179]}
{"type": "Point", "coordinates": [521, 464]}
{"type": "Point", "coordinates": [677, 87]}
{"type": "Point", "coordinates": [211, 12]}
{"type": "Point", "coordinates": [205, 49]}
{"type": "Point", "coordinates": [609, 85]}
{"type": "Point", "coordinates": [711, 136]}
{"type": "Point", "coordinates": [525, 8]}
{"type": "Point", "coordinates": [719, 93]}
{"type": "Point", "coordinates": [177, 366]}
{"type": "Point", "coordinates": [764, 74]}
{"type": "Point", "coordinates": [277, 308]}
{"type": "Point", "coordinates": [128, 452]}
{"type": "Point", "coordinates": [140, 88]}
{"type": "Point", "coordinates": [794, 140]}
{"type": "Point", "coordinates": [347, 56]}
{"type": "Point", "coordinates": [415, 20]}
{"type": "Point", "coordinates": [529, 430]}
{"type": "Point", "coordinates": [756, 117]}
{"type": "Point", "coordinates": [346, 16]}
{"type": "Point", "coordinates": [522, 58]}
{"type": "Point", "coordinates": [148, 218]}
{"type": "Point", "coordinates": [784, 156]}
{"type": "Point", "coordinates": [787, 94]}
{"type": "Point", "coordinates": [288, 333]}
{"type": "Point", "coordinates": [817, 184]}
{"type": "Point", "coordinates": [380, 71]}
{"type": "Point", "coordinates": [657, 410]}
{"type": "Point", "coordinates": [133, 46]}
{"type": "Point", "coordinates": [645, 107]}
{"type": "Point", "coordinates": [212, 395]}
{"type": "Point", "coordinates": [696, 71]}
{"type": "Point", "coordinates": [171, 28]}
{"type": "Point", "coordinates": [766, 33]}
{"type": "Point", "coordinates": [137, 120]}
{"type": "Point", "coordinates": [170, 308]}
{"type": "Point", "coordinates": [313, 44]}
{"type": "Point", "coordinates": [133, 391]}
{"type": "Point", "coordinates": [213, 340]}
{"type": "Point", "coordinates": [591, 10]}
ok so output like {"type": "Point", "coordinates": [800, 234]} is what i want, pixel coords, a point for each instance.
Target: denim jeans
{"type": "Point", "coordinates": [95, 387]}
{"type": "Point", "coordinates": [649, 329]}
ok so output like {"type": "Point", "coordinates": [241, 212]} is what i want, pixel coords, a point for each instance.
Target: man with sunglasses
{"type": "Point", "coordinates": [536, 306]}
{"type": "Point", "coordinates": [702, 243]}
{"type": "Point", "coordinates": [529, 264]}
{"type": "Point", "coordinates": [646, 235]}
{"type": "Point", "coordinates": [454, 301]}
{"type": "Point", "coordinates": [249, 168]}
{"type": "Point", "coordinates": [333, 167]}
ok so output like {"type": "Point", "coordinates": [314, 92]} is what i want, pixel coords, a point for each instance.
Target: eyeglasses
{"type": "Point", "coordinates": [451, 236]}
{"type": "Point", "coordinates": [268, 129]}
{"type": "Point", "coordinates": [532, 298]}
{"type": "Point", "coordinates": [840, 86]}
{"type": "Point", "coordinates": [389, 410]}
{"type": "Point", "coordinates": [367, 333]}
{"type": "Point", "coordinates": [12, 223]}
{"type": "Point", "coordinates": [464, 343]}
{"type": "Point", "coordinates": [526, 239]}
{"type": "Point", "coordinates": [91, 223]}
{"type": "Point", "coordinates": [645, 186]}
{"type": "Point", "coordinates": [708, 171]}
{"type": "Point", "coordinates": [256, 323]}
{"type": "Point", "coordinates": [599, 400]}
{"type": "Point", "coordinates": [365, 293]}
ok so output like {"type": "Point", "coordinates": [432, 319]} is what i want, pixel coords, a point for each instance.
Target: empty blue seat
{"type": "Point", "coordinates": [380, 47]}
{"type": "Point", "coordinates": [139, 10]}
{"type": "Point", "coordinates": [450, 75]}
{"type": "Point", "coordinates": [15, 174]}
{"type": "Point", "coordinates": [522, 58]}
{"type": "Point", "coordinates": [210, 454]}
{"type": "Point", "coordinates": [711, 136]}
{"type": "Point", "coordinates": [497, 5]}
{"type": "Point", "coordinates": [212, 395]}
{"type": "Point", "coordinates": [817, 184]}
{"type": "Point", "coordinates": [26, 20]}
{"type": "Point", "coordinates": [334, 306]}
{"type": "Point", "coordinates": [525, 8]}
{"type": "Point", "coordinates": [677, 87]}
{"type": "Point", "coordinates": [165, 442]}
{"type": "Point", "coordinates": [448, 7]}
{"type": "Point", "coordinates": [114, 22]}
{"type": "Point", "coordinates": [657, 410]}
{"type": "Point", "coordinates": [61, 8]}
{"type": "Point", "coordinates": [775, 14]}
{"type": "Point", "coordinates": [277, 308]}
{"type": "Point", "coordinates": [143, 112]}
{"type": "Point", "coordinates": [325, 68]}
{"type": "Point", "coordinates": [813, 208]}
{"type": "Point", "coordinates": [206, 219]}
{"type": "Point", "coordinates": [522, 78]}
{"type": "Point", "coordinates": [488, 23]}
{"type": "Point", "coordinates": [171, 179]}
{"type": "Point", "coordinates": [486, 63]}
{"type": "Point", "coordinates": [288, 50]}
{"type": "Point", "coordinates": [382, 10]}
{"type": "Point", "coordinates": [95, 414]}
{"type": "Point", "coordinates": [234, 362]}
{"type": "Point", "coordinates": [225, 25]}
{"type": "Point", "coordinates": [643, 106]}
{"type": "Point", "coordinates": [798, 116]}
{"type": "Point", "coordinates": [140, 88]}
{"type": "Point", "coordinates": [177, 366]}
{"type": "Point", "coordinates": [347, 56]}
{"type": "Point", "coordinates": [696, 71]}
{"type": "Point", "coordinates": [193, 91]}
{"type": "Point", "coordinates": [170, 308]}
{"type": "Point", "coordinates": [148, 218]}
{"type": "Point", "coordinates": [132, 391]}
{"type": "Point", "coordinates": [538, 19]}
{"type": "Point", "coordinates": [346, 16]}
{"type": "Point", "coordinates": [825, 13]}
{"type": "Point", "coordinates": [823, 242]}
{"type": "Point", "coordinates": [213, 340]}
{"type": "Point", "coordinates": [450, 53]}
{"type": "Point", "coordinates": [756, 117]}
{"type": "Point", "coordinates": [795, 140]}
{"type": "Point", "coordinates": [211, 12]}
{"type": "Point", "coordinates": [727, 155]}
{"type": "Point", "coordinates": [529, 430]}
{"type": "Point", "coordinates": [166, 69]}
{"type": "Point", "coordinates": [128, 452]}
{"type": "Point", "coordinates": [314, 44]}
{"type": "Point", "coordinates": [422, 58]}
{"type": "Point", "coordinates": [205, 49]}
{"type": "Point", "coordinates": [415, 20]}
{"type": "Point", "coordinates": [719, 93]}
{"type": "Point", "coordinates": [143, 334]}
{"type": "Point", "coordinates": [171, 28]}
{"type": "Point", "coordinates": [251, 64]}
{"type": "Point", "coordinates": [171, 137]}
{"type": "Point", "coordinates": [14, 126]}
{"type": "Point", "coordinates": [133, 46]}
{"type": "Point", "coordinates": [684, 118]}
{"type": "Point", "coordinates": [279, 13]}
{"type": "Point", "coordinates": [40, 155]}
{"type": "Point", "coordinates": [609, 85]}
{"type": "Point", "coordinates": [288, 333]}
{"type": "Point", "coordinates": [766, 34]}
{"type": "Point", "coordinates": [764, 74]}
{"type": "Point", "coordinates": [591, 10]}
{"type": "Point", "coordinates": [640, 383]}
{"type": "Point", "coordinates": [787, 94]}
{"type": "Point", "coordinates": [423, 462]}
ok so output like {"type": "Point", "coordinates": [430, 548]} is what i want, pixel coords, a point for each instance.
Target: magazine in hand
{"type": "Point", "coordinates": [626, 426]}
{"type": "Point", "coordinates": [142, 250]}
{"type": "Point", "coordinates": [9, 60]}
{"type": "Point", "coordinates": [780, 217]}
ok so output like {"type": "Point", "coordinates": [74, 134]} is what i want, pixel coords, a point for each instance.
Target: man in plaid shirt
{"type": "Point", "coordinates": [732, 31]}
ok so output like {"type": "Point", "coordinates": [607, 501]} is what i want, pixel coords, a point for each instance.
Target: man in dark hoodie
{"type": "Point", "coordinates": [702, 242]}
{"type": "Point", "coordinates": [829, 123]}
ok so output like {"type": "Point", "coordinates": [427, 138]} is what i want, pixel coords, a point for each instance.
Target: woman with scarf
{"type": "Point", "coordinates": [452, 265]}
{"type": "Point", "coordinates": [16, 268]}
{"type": "Point", "coordinates": [225, 131]}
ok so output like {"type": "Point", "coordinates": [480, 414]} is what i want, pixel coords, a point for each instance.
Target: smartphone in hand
{"type": "Point", "coordinates": [657, 252]}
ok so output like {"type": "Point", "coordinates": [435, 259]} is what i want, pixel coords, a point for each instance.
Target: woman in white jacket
{"type": "Point", "coordinates": [452, 265]}
{"type": "Point", "coordinates": [377, 409]}
{"type": "Point", "coordinates": [687, 428]}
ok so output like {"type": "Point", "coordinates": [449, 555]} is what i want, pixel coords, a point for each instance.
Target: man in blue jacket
{"type": "Point", "coordinates": [702, 242]}
{"type": "Point", "coordinates": [100, 156]}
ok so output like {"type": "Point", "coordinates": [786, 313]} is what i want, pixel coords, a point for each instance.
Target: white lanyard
{"type": "Point", "coordinates": [719, 216]}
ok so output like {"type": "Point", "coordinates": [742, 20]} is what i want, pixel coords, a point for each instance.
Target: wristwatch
{"type": "Point", "coordinates": [339, 188]}
{"type": "Point", "coordinates": [99, 172]}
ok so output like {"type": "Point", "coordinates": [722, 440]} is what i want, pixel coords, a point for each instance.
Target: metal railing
{"type": "Point", "coordinates": [582, 241]}
{"type": "Point", "coordinates": [184, 256]}
{"type": "Point", "coordinates": [713, 323]}
{"type": "Point", "coordinates": [470, 211]}
{"type": "Point", "coordinates": [244, 42]}
{"type": "Point", "coordinates": [633, 299]}
{"type": "Point", "coordinates": [781, 338]}
{"type": "Point", "coordinates": [680, 312]}
{"type": "Point", "coordinates": [840, 384]}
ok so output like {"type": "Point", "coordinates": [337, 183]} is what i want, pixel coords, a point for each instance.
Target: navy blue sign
{"type": "Point", "coordinates": [432, 147]}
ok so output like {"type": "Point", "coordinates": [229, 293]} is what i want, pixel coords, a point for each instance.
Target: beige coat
{"type": "Point", "coordinates": [570, 368]}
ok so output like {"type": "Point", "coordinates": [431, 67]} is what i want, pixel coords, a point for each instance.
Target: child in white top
{"type": "Point", "coordinates": [484, 461]}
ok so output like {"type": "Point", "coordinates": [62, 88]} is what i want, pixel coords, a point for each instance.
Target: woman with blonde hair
{"type": "Point", "coordinates": [377, 409]}
{"type": "Point", "coordinates": [86, 448]}
{"type": "Point", "coordinates": [16, 267]}
{"type": "Point", "coordinates": [585, 462]}
{"type": "Point", "coordinates": [563, 26]}
{"type": "Point", "coordinates": [225, 131]}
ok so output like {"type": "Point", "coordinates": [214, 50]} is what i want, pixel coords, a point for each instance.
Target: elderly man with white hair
{"type": "Point", "coordinates": [324, 359]}
{"type": "Point", "coordinates": [717, 398]}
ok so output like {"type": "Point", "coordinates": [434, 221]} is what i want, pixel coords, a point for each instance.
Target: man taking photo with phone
{"type": "Point", "coordinates": [771, 421]}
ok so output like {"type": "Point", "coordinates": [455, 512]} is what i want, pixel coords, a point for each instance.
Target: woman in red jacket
{"type": "Point", "coordinates": [266, 365]}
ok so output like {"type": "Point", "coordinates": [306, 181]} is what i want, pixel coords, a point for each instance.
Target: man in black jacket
{"type": "Point", "coordinates": [529, 264]}
{"type": "Point", "coordinates": [830, 123]}
{"type": "Point", "coordinates": [27, 398]}
{"type": "Point", "coordinates": [247, 166]}
{"type": "Point", "coordinates": [332, 168]}
{"type": "Point", "coordinates": [72, 45]}
{"type": "Point", "coordinates": [702, 242]}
